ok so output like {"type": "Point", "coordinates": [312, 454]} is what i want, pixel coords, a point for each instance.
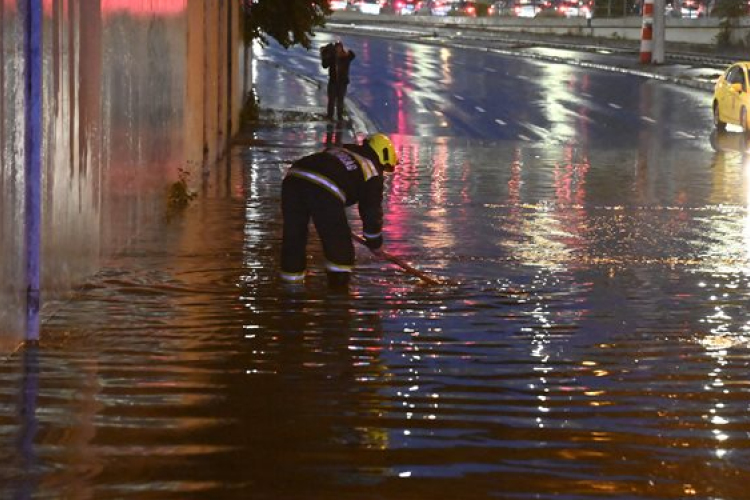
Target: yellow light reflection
{"type": "Point", "coordinates": [553, 230]}
{"type": "Point", "coordinates": [717, 348]}
{"type": "Point", "coordinates": [445, 67]}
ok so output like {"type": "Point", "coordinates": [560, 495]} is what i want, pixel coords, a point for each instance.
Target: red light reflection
{"type": "Point", "coordinates": [112, 7]}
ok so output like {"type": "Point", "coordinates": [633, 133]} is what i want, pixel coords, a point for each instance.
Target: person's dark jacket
{"type": "Point", "coordinates": [338, 67]}
{"type": "Point", "coordinates": [355, 170]}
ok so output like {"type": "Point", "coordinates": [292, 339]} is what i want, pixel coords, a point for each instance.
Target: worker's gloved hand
{"type": "Point", "coordinates": [375, 242]}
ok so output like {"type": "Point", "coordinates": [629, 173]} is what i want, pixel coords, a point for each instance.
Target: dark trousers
{"type": "Point", "coordinates": [301, 201]}
{"type": "Point", "coordinates": [336, 95]}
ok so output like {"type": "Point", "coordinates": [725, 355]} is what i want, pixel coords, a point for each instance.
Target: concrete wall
{"type": "Point", "coordinates": [134, 93]}
{"type": "Point", "coordinates": [697, 31]}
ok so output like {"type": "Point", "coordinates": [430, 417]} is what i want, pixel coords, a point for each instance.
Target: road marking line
{"type": "Point", "coordinates": [684, 135]}
{"type": "Point", "coordinates": [500, 122]}
{"type": "Point", "coordinates": [648, 119]}
{"type": "Point", "coordinates": [613, 105]}
{"type": "Point", "coordinates": [524, 138]}
{"type": "Point", "coordinates": [458, 97]}
{"type": "Point", "coordinates": [491, 70]}
{"type": "Point", "coordinates": [480, 109]}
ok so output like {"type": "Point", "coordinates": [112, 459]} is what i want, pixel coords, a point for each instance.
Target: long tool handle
{"type": "Point", "coordinates": [403, 265]}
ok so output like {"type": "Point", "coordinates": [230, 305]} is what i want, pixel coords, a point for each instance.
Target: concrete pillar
{"type": "Point", "coordinates": [211, 82]}
{"type": "Point", "coordinates": [238, 90]}
{"type": "Point", "coordinates": [195, 139]}
{"type": "Point", "coordinates": [657, 56]}
{"type": "Point", "coordinates": [213, 89]}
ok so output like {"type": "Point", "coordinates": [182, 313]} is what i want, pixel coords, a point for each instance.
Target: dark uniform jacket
{"type": "Point", "coordinates": [338, 67]}
{"type": "Point", "coordinates": [353, 174]}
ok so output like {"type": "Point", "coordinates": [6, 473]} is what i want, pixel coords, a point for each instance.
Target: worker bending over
{"type": "Point", "coordinates": [319, 187]}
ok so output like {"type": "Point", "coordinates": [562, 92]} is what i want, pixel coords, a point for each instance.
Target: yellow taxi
{"type": "Point", "coordinates": [731, 102]}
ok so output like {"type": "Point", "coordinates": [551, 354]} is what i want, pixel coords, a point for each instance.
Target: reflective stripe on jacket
{"type": "Point", "coordinates": [320, 180]}
{"type": "Point", "coordinates": [352, 174]}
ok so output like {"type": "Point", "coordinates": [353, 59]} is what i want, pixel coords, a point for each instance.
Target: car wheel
{"type": "Point", "coordinates": [743, 122]}
{"type": "Point", "coordinates": [720, 125]}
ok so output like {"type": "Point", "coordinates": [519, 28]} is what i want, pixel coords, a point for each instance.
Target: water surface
{"type": "Point", "coordinates": [592, 341]}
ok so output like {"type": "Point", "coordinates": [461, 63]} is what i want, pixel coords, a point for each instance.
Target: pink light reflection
{"type": "Point", "coordinates": [138, 8]}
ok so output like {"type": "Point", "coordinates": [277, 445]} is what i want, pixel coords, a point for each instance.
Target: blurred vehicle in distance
{"type": "Point", "coordinates": [369, 6]}
{"type": "Point", "coordinates": [338, 4]}
{"type": "Point", "coordinates": [527, 8]}
{"type": "Point", "coordinates": [575, 8]}
{"type": "Point", "coordinates": [690, 9]}
{"type": "Point", "coordinates": [731, 100]}
{"type": "Point", "coordinates": [520, 8]}
{"type": "Point", "coordinates": [436, 7]}
{"type": "Point", "coordinates": [406, 7]}
{"type": "Point", "coordinates": [502, 8]}
{"type": "Point", "coordinates": [463, 8]}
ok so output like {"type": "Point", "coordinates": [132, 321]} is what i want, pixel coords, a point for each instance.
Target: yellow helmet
{"type": "Point", "coordinates": [383, 147]}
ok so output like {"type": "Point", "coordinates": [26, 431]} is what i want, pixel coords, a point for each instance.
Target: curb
{"type": "Point", "coordinates": [360, 123]}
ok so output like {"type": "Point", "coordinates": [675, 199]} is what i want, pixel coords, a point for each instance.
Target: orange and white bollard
{"type": "Point", "coordinates": [647, 32]}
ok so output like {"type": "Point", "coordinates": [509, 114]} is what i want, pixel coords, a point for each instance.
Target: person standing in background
{"type": "Point", "coordinates": [337, 60]}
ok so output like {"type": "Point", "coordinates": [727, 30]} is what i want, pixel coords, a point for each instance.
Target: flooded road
{"type": "Point", "coordinates": [592, 342]}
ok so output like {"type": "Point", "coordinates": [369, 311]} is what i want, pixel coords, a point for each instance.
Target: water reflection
{"type": "Point", "coordinates": [334, 135]}
{"type": "Point", "coordinates": [28, 461]}
{"type": "Point", "coordinates": [597, 317]}
{"type": "Point", "coordinates": [540, 373]}
{"type": "Point", "coordinates": [316, 375]}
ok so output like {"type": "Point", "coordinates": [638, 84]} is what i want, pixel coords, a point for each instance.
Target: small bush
{"type": "Point", "coordinates": [729, 11]}
{"type": "Point", "coordinates": [179, 194]}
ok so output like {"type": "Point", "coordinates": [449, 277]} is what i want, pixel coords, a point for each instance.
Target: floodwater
{"type": "Point", "coordinates": [591, 340]}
